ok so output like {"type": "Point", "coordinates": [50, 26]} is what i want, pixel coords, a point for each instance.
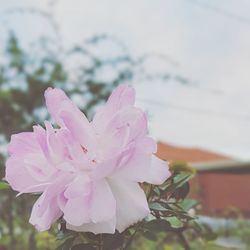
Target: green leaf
{"type": "Point", "coordinates": [158, 225]}
{"type": "Point", "coordinates": [188, 204]}
{"type": "Point", "coordinates": [3, 185]}
{"type": "Point", "coordinates": [157, 206]}
{"type": "Point", "coordinates": [157, 191]}
{"type": "Point", "coordinates": [181, 192]}
{"type": "Point", "coordinates": [67, 244]}
{"type": "Point", "coordinates": [175, 222]}
{"type": "Point", "coordinates": [177, 181]}
{"type": "Point", "coordinates": [181, 179]}
{"type": "Point", "coordinates": [197, 227]}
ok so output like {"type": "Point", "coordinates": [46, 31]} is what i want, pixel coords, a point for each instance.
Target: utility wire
{"type": "Point", "coordinates": [198, 111]}
{"type": "Point", "coordinates": [221, 11]}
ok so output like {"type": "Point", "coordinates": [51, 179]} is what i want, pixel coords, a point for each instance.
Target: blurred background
{"type": "Point", "coordinates": [189, 62]}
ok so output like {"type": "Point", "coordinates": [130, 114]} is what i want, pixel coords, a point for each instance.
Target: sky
{"type": "Point", "coordinates": [207, 41]}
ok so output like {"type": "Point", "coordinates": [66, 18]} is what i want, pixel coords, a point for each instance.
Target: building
{"type": "Point", "coordinates": [222, 184]}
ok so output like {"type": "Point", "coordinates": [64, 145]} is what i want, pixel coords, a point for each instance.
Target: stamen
{"type": "Point", "coordinates": [84, 150]}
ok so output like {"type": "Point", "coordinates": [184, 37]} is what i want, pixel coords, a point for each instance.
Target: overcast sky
{"type": "Point", "coordinates": [208, 40]}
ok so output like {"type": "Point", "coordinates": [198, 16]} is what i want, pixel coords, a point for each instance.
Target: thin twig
{"type": "Point", "coordinates": [183, 241]}
{"type": "Point", "coordinates": [132, 236]}
{"type": "Point", "coordinates": [100, 245]}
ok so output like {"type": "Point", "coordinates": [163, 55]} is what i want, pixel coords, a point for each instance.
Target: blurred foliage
{"type": "Point", "coordinates": [82, 73]}
{"type": "Point", "coordinates": [3, 185]}
{"type": "Point", "coordinates": [181, 166]}
{"type": "Point", "coordinates": [86, 77]}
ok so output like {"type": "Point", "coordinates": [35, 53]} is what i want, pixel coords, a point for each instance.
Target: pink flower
{"type": "Point", "coordinates": [87, 172]}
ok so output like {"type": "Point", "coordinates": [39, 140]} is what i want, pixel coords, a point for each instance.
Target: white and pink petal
{"type": "Point", "coordinates": [66, 114]}
{"type": "Point", "coordinates": [107, 227]}
{"type": "Point", "coordinates": [120, 98]}
{"type": "Point", "coordinates": [44, 213]}
{"type": "Point", "coordinates": [131, 203]}
{"type": "Point", "coordinates": [144, 168]}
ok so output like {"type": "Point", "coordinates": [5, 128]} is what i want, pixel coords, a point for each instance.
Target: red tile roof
{"type": "Point", "coordinates": [216, 192]}
{"type": "Point", "coordinates": [170, 152]}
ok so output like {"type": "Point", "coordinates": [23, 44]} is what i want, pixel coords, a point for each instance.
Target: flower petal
{"type": "Point", "coordinates": [54, 99]}
{"type": "Point", "coordinates": [27, 169]}
{"type": "Point", "coordinates": [43, 220]}
{"type": "Point", "coordinates": [23, 143]}
{"type": "Point", "coordinates": [144, 168]}
{"type": "Point", "coordinates": [80, 129]}
{"type": "Point", "coordinates": [104, 169]}
{"type": "Point", "coordinates": [66, 114]}
{"type": "Point", "coordinates": [131, 203]}
{"type": "Point", "coordinates": [121, 97]}
{"type": "Point", "coordinates": [80, 186]}
{"type": "Point", "coordinates": [103, 204]}
{"type": "Point", "coordinates": [107, 227]}
{"type": "Point", "coordinates": [88, 202]}
{"type": "Point", "coordinates": [46, 210]}
{"type": "Point", "coordinates": [40, 135]}
{"type": "Point", "coordinates": [78, 193]}
{"type": "Point", "coordinates": [133, 118]}
{"type": "Point", "coordinates": [76, 211]}
{"type": "Point", "coordinates": [146, 145]}
{"type": "Point", "coordinates": [38, 166]}
{"type": "Point", "coordinates": [19, 177]}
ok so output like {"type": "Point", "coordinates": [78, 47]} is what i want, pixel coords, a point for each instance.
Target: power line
{"type": "Point", "coordinates": [221, 11]}
{"type": "Point", "coordinates": [196, 110]}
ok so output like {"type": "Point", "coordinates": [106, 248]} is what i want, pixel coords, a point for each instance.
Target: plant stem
{"type": "Point", "coordinates": [150, 192]}
{"type": "Point", "coordinates": [100, 247]}
{"type": "Point", "coordinates": [129, 240]}
{"type": "Point", "coordinates": [132, 236]}
{"type": "Point", "coordinates": [183, 241]}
